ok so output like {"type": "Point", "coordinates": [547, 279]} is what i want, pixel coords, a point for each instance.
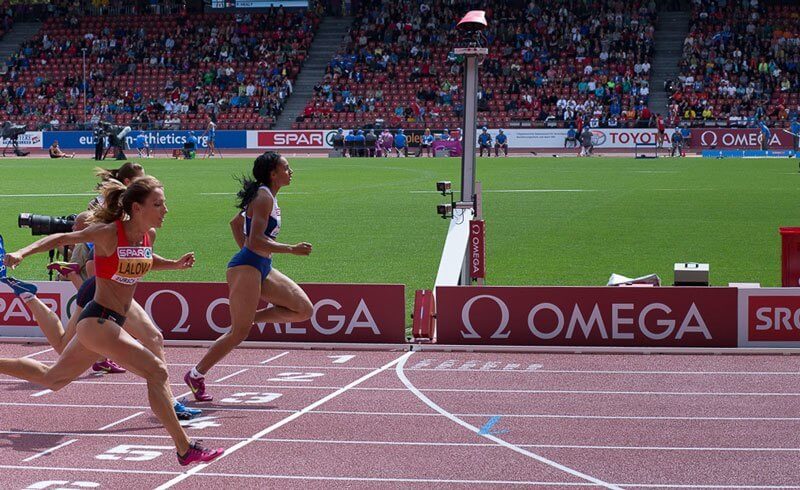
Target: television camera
{"type": "Point", "coordinates": [11, 132]}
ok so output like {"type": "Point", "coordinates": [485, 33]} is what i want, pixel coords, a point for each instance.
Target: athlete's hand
{"type": "Point", "coordinates": [12, 259]}
{"type": "Point", "coordinates": [185, 262]}
{"type": "Point", "coordinates": [301, 248]}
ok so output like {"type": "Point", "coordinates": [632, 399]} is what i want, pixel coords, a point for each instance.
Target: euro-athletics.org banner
{"type": "Point", "coordinates": [168, 140]}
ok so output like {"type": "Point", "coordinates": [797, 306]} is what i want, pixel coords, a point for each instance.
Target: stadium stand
{"type": "Point", "coordinates": [151, 70]}
{"type": "Point", "coordinates": [550, 62]}
{"type": "Point", "coordinates": [741, 60]}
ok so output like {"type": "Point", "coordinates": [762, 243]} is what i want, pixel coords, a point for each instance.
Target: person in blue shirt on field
{"type": "Point", "coordinates": [142, 145]}
{"type": "Point", "coordinates": [400, 143]}
{"type": "Point", "coordinates": [426, 142]}
{"type": "Point", "coordinates": [211, 134]}
{"type": "Point", "coordinates": [190, 147]}
{"type": "Point", "coordinates": [677, 143]}
{"type": "Point", "coordinates": [485, 141]}
{"type": "Point", "coordinates": [501, 142]}
{"type": "Point", "coordinates": [766, 135]}
{"type": "Point", "coordinates": [360, 143]}
{"type": "Point", "coordinates": [571, 141]}
{"type": "Point", "coordinates": [350, 143]}
{"type": "Point", "coordinates": [795, 130]}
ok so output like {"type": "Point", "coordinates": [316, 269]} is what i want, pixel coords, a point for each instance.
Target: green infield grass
{"type": "Point", "coordinates": [550, 221]}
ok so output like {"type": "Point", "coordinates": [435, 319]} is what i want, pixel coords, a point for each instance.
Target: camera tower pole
{"type": "Point", "coordinates": [84, 87]}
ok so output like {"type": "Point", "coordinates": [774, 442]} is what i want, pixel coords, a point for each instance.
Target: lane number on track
{"type": "Point", "coordinates": [56, 485]}
{"type": "Point", "coordinates": [340, 359]}
{"type": "Point", "coordinates": [134, 452]}
{"type": "Point", "coordinates": [296, 377]}
{"type": "Point", "coordinates": [251, 397]}
{"type": "Point", "coordinates": [200, 423]}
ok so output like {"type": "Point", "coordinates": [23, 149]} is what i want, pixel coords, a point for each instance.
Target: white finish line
{"type": "Point", "coordinates": [48, 451]}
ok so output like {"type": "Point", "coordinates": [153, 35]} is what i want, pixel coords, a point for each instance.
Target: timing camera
{"type": "Point", "coordinates": [46, 225]}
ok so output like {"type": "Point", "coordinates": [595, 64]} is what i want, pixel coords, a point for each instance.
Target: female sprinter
{"type": "Point", "coordinates": [123, 237]}
{"type": "Point", "coordinates": [250, 273]}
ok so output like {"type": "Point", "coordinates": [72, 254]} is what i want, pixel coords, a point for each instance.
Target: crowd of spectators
{"type": "Point", "coordinates": [741, 62]}
{"type": "Point", "coordinates": [157, 71]}
{"type": "Point", "coordinates": [550, 61]}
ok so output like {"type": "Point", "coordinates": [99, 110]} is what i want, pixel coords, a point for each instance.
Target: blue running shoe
{"type": "Point", "coordinates": [2, 258]}
{"type": "Point", "coordinates": [186, 413]}
{"type": "Point", "coordinates": [24, 290]}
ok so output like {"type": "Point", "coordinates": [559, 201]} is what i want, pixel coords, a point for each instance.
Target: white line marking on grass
{"type": "Point", "coordinates": [655, 171]}
{"type": "Point", "coordinates": [230, 375]}
{"type": "Point", "coordinates": [50, 195]}
{"type": "Point", "coordinates": [112, 424]}
{"type": "Point", "coordinates": [518, 190]}
{"type": "Point", "coordinates": [233, 194]}
{"type": "Point", "coordinates": [493, 438]}
{"type": "Point", "coordinates": [48, 451]}
{"type": "Point", "coordinates": [274, 357]}
{"type": "Point", "coordinates": [41, 393]}
{"type": "Point", "coordinates": [285, 421]}
{"type": "Point", "coordinates": [31, 356]}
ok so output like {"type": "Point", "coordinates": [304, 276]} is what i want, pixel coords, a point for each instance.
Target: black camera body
{"type": "Point", "coordinates": [11, 132]}
{"type": "Point", "coordinates": [116, 137]}
{"type": "Point", "coordinates": [46, 225]}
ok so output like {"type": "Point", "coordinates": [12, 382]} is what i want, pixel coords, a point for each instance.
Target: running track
{"type": "Point", "coordinates": [323, 419]}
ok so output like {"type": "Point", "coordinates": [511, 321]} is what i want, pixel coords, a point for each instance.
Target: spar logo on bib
{"type": "Point", "coordinates": [135, 253]}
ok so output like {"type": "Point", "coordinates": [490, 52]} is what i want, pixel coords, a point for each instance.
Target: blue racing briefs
{"type": "Point", "coordinates": [245, 256]}
{"type": "Point", "coordinates": [86, 292]}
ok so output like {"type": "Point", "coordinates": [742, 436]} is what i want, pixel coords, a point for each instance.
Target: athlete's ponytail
{"type": "Point", "coordinates": [262, 169]}
{"type": "Point", "coordinates": [128, 171]}
{"type": "Point", "coordinates": [118, 200]}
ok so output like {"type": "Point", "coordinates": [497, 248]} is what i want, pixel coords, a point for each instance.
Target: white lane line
{"type": "Point", "coordinates": [230, 375]}
{"type": "Point", "coordinates": [50, 195]}
{"type": "Point", "coordinates": [30, 356]}
{"type": "Point", "coordinates": [543, 446]}
{"type": "Point", "coordinates": [112, 424]}
{"type": "Point", "coordinates": [285, 421]}
{"type": "Point", "coordinates": [88, 470]}
{"type": "Point", "coordinates": [41, 393]}
{"type": "Point", "coordinates": [576, 371]}
{"type": "Point", "coordinates": [493, 438]}
{"type": "Point", "coordinates": [48, 451]}
{"type": "Point", "coordinates": [429, 414]}
{"type": "Point", "coordinates": [274, 357]}
{"type": "Point", "coordinates": [401, 480]}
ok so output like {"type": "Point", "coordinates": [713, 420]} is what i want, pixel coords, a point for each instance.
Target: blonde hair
{"type": "Point", "coordinates": [118, 200]}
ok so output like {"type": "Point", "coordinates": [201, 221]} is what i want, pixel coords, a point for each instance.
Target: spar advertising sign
{"type": "Point", "coordinates": [311, 139]}
{"type": "Point", "coordinates": [769, 317]}
{"type": "Point", "coordinates": [577, 316]}
{"type": "Point", "coordinates": [342, 313]}
{"type": "Point", "coordinates": [16, 320]}
{"type": "Point", "coordinates": [743, 139]}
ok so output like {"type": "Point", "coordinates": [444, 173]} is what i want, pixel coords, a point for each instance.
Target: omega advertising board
{"type": "Point", "coordinates": [578, 316]}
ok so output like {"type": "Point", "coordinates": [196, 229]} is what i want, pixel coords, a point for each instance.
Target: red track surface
{"type": "Point", "coordinates": [565, 421]}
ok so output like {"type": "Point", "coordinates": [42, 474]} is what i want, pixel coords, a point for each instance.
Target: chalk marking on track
{"type": "Point", "coordinates": [48, 451]}
{"type": "Point", "coordinates": [41, 393]}
{"type": "Point", "coordinates": [230, 375]}
{"type": "Point", "coordinates": [286, 420]}
{"type": "Point", "coordinates": [495, 439]}
{"type": "Point", "coordinates": [30, 356]}
{"type": "Point", "coordinates": [50, 195]}
{"type": "Point", "coordinates": [112, 424]}
{"type": "Point", "coordinates": [274, 357]}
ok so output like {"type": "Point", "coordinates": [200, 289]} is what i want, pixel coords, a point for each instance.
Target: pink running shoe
{"type": "Point", "coordinates": [198, 386]}
{"type": "Point", "coordinates": [199, 454]}
{"type": "Point", "coordinates": [64, 268]}
{"type": "Point", "coordinates": [109, 367]}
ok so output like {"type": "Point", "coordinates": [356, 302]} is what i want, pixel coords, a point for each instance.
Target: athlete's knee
{"type": "Point", "coordinates": [239, 334]}
{"type": "Point", "coordinates": [157, 372]}
{"type": "Point", "coordinates": [153, 341]}
{"type": "Point", "coordinates": [56, 380]}
{"type": "Point", "coordinates": [304, 310]}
